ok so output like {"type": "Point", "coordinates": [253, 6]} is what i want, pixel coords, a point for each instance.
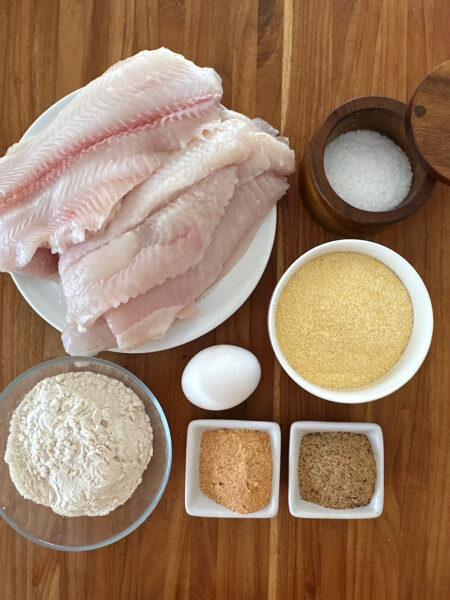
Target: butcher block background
{"type": "Point", "coordinates": [290, 63]}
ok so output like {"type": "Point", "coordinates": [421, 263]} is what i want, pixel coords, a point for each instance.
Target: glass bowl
{"type": "Point", "coordinates": [39, 523]}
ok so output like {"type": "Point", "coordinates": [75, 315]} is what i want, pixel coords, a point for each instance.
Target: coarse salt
{"type": "Point", "coordinates": [368, 170]}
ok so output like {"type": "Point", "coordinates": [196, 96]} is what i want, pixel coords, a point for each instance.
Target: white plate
{"type": "Point", "coordinates": [214, 307]}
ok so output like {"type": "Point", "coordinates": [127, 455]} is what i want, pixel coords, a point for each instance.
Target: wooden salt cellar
{"type": "Point", "coordinates": [421, 129]}
{"type": "Point", "coordinates": [428, 123]}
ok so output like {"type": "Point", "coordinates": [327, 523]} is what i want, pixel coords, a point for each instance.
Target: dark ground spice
{"type": "Point", "coordinates": [336, 469]}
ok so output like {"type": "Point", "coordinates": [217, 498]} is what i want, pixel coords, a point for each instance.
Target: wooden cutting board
{"type": "Point", "coordinates": [289, 62]}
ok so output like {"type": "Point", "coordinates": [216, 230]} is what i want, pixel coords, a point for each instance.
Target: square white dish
{"type": "Point", "coordinates": [199, 505]}
{"type": "Point", "coordinates": [309, 510]}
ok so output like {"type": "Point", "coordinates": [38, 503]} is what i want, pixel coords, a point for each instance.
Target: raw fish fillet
{"type": "Point", "coordinates": [165, 245]}
{"type": "Point", "coordinates": [147, 105]}
{"type": "Point", "coordinates": [231, 142]}
{"type": "Point", "coordinates": [86, 191]}
{"type": "Point", "coordinates": [150, 315]}
{"type": "Point", "coordinates": [44, 265]}
{"type": "Point", "coordinates": [89, 343]}
{"type": "Point", "coordinates": [111, 267]}
{"type": "Point", "coordinates": [268, 154]}
{"type": "Point", "coordinates": [258, 152]}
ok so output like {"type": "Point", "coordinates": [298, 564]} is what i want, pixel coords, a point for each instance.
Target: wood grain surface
{"type": "Point", "coordinates": [289, 62]}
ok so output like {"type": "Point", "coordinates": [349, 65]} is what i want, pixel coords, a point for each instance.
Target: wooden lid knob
{"type": "Point", "coordinates": [428, 123]}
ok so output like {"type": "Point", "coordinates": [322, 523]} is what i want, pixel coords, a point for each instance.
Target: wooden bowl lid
{"type": "Point", "coordinates": [428, 123]}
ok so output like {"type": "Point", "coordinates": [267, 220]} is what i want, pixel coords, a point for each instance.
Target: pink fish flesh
{"type": "Point", "coordinates": [230, 142]}
{"type": "Point", "coordinates": [111, 267]}
{"type": "Point", "coordinates": [158, 100]}
{"type": "Point", "coordinates": [165, 245]}
{"type": "Point", "coordinates": [98, 338]}
{"type": "Point", "coordinates": [150, 315]}
{"type": "Point", "coordinates": [44, 265]}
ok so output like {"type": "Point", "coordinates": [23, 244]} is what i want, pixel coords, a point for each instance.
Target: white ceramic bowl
{"type": "Point", "coordinates": [309, 510]}
{"type": "Point", "coordinates": [419, 342]}
{"type": "Point", "coordinates": [199, 505]}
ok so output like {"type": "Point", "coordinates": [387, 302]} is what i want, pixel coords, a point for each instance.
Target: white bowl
{"type": "Point", "coordinates": [419, 342]}
{"type": "Point", "coordinates": [199, 505]}
{"type": "Point", "coordinates": [309, 510]}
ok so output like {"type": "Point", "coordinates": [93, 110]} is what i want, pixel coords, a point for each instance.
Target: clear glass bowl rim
{"type": "Point", "coordinates": [165, 478]}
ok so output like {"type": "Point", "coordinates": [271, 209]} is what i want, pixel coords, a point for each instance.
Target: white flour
{"type": "Point", "coordinates": [79, 443]}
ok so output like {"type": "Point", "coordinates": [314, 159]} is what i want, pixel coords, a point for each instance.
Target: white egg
{"type": "Point", "coordinates": [220, 377]}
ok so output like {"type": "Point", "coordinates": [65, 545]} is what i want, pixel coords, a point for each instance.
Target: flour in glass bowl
{"type": "Point", "coordinates": [79, 443]}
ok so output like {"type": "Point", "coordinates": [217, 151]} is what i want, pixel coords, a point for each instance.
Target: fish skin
{"type": "Point", "coordinates": [136, 106]}
{"type": "Point", "coordinates": [165, 245]}
{"type": "Point", "coordinates": [150, 315]}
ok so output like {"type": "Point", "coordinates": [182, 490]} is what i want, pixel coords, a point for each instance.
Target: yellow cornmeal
{"type": "Point", "coordinates": [343, 320]}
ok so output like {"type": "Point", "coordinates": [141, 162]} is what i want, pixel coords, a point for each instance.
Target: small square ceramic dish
{"type": "Point", "coordinates": [199, 505]}
{"type": "Point", "coordinates": [309, 510]}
